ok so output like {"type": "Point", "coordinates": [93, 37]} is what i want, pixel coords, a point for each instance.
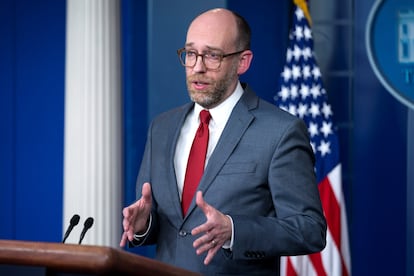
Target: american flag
{"type": "Point", "coordinates": [301, 93]}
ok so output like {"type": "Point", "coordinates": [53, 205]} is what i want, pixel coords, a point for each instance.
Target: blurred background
{"type": "Point", "coordinates": [375, 129]}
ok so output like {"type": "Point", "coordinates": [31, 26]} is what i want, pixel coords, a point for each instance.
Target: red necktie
{"type": "Point", "coordinates": [196, 161]}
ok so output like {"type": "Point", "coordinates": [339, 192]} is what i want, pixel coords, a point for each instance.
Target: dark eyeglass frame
{"type": "Point", "coordinates": [203, 56]}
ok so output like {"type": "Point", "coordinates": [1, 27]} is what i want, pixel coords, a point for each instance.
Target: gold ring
{"type": "Point", "coordinates": [213, 242]}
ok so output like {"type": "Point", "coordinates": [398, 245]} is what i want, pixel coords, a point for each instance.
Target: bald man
{"type": "Point", "coordinates": [257, 198]}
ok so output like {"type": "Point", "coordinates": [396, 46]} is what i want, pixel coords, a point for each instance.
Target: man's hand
{"type": "Point", "coordinates": [136, 215]}
{"type": "Point", "coordinates": [215, 231]}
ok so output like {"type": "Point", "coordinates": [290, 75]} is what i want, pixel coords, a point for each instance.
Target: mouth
{"type": "Point", "coordinates": [199, 85]}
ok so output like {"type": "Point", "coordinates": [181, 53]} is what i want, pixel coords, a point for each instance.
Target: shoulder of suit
{"type": "Point", "coordinates": [265, 110]}
{"type": "Point", "coordinates": [173, 113]}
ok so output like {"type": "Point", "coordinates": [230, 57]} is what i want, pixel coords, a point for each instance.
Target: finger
{"type": "Point", "coordinates": [211, 253]}
{"type": "Point", "coordinates": [124, 239]}
{"type": "Point", "coordinates": [126, 212]}
{"type": "Point", "coordinates": [146, 192]}
{"type": "Point", "coordinates": [146, 196]}
{"type": "Point", "coordinates": [128, 232]}
{"type": "Point", "coordinates": [126, 221]}
{"type": "Point", "coordinates": [129, 217]}
{"type": "Point", "coordinates": [206, 246]}
{"type": "Point", "coordinates": [205, 208]}
{"type": "Point", "coordinates": [200, 201]}
{"type": "Point", "coordinates": [203, 228]}
{"type": "Point", "coordinates": [204, 239]}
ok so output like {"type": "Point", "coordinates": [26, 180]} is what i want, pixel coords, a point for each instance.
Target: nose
{"type": "Point", "coordinates": [199, 65]}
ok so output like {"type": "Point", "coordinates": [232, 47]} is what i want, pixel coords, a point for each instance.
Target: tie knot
{"type": "Point", "coordinates": [205, 116]}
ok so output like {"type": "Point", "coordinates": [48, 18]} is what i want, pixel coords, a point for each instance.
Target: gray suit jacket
{"type": "Point", "coordinates": [260, 173]}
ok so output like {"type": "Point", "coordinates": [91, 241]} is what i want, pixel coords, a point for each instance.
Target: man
{"type": "Point", "coordinates": [257, 198]}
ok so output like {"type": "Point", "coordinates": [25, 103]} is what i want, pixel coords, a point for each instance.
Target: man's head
{"type": "Point", "coordinates": [212, 74]}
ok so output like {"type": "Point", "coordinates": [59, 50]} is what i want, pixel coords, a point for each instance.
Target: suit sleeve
{"type": "Point", "coordinates": [299, 226]}
{"type": "Point", "coordinates": [143, 177]}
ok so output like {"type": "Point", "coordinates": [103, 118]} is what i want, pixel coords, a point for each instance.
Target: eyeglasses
{"type": "Point", "coordinates": [211, 59]}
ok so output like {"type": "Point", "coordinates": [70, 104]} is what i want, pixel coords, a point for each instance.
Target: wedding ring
{"type": "Point", "coordinates": [213, 243]}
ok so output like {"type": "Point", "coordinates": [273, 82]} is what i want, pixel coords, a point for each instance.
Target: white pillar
{"type": "Point", "coordinates": [93, 120]}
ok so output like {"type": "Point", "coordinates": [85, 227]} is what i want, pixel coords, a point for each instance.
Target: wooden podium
{"type": "Point", "coordinates": [70, 259]}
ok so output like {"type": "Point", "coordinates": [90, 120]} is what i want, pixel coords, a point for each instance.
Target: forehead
{"type": "Point", "coordinates": [213, 30]}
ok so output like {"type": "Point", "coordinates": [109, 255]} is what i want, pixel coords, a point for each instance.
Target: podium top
{"type": "Point", "coordinates": [99, 260]}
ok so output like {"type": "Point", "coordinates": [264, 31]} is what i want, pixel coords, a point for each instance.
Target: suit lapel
{"type": "Point", "coordinates": [172, 195]}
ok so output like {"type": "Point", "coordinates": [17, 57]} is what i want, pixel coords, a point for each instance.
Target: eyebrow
{"type": "Point", "coordinates": [191, 44]}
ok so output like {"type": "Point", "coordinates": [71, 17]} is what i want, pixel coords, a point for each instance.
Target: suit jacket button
{"type": "Point", "coordinates": [182, 233]}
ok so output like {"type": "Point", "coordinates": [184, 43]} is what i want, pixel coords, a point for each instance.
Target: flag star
{"type": "Point", "coordinates": [315, 91]}
{"type": "Point", "coordinates": [316, 72]}
{"type": "Point", "coordinates": [296, 53]}
{"type": "Point", "coordinates": [304, 91]}
{"type": "Point", "coordinates": [299, 13]}
{"type": "Point", "coordinates": [307, 33]}
{"type": "Point", "coordinates": [298, 33]}
{"type": "Point", "coordinates": [296, 72]}
{"type": "Point", "coordinates": [302, 110]}
{"type": "Point", "coordinates": [294, 93]}
{"type": "Point", "coordinates": [314, 110]}
{"type": "Point", "coordinates": [326, 110]}
{"type": "Point", "coordinates": [313, 129]}
{"type": "Point", "coordinates": [306, 73]}
{"type": "Point", "coordinates": [284, 93]}
{"type": "Point", "coordinates": [324, 148]}
{"type": "Point", "coordinates": [286, 74]}
{"type": "Point", "coordinates": [326, 128]}
{"type": "Point", "coordinates": [306, 53]}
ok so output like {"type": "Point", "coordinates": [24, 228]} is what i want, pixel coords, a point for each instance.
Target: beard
{"type": "Point", "coordinates": [217, 91]}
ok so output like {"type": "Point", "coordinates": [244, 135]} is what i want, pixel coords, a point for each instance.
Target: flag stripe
{"type": "Point", "coordinates": [290, 270]}
{"type": "Point", "coordinates": [317, 264]}
{"type": "Point", "coordinates": [332, 209]}
{"type": "Point", "coordinates": [343, 246]}
{"type": "Point", "coordinates": [303, 266]}
{"type": "Point", "coordinates": [331, 257]}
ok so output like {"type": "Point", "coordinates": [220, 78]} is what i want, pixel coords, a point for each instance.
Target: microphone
{"type": "Point", "coordinates": [88, 224]}
{"type": "Point", "coordinates": [73, 222]}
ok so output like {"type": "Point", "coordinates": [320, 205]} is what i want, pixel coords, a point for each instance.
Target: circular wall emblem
{"type": "Point", "coordinates": [390, 46]}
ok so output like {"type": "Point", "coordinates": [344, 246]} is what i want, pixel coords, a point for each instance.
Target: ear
{"type": "Point", "coordinates": [244, 62]}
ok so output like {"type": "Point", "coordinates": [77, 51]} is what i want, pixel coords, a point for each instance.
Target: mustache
{"type": "Point", "coordinates": [199, 79]}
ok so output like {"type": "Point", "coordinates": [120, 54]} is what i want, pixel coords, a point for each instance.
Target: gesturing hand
{"type": "Point", "coordinates": [136, 215]}
{"type": "Point", "coordinates": [214, 232]}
